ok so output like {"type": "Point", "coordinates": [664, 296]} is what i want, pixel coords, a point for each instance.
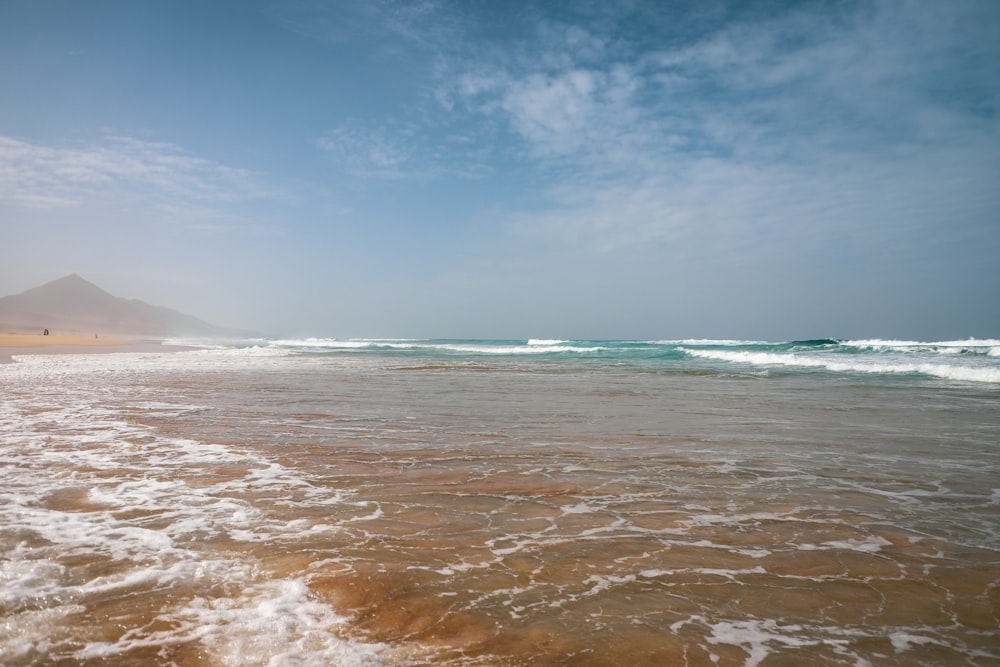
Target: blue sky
{"type": "Point", "coordinates": [577, 169]}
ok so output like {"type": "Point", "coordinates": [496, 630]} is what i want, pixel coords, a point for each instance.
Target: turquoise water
{"type": "Point", "coordinates": [965, 360]}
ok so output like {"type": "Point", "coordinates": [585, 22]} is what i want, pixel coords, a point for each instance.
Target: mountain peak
{"type": "Point", "coordinates": [72, 281]}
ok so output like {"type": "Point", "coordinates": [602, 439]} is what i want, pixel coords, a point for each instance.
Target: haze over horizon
{"type": "Point", "coordinates": [768, 170]}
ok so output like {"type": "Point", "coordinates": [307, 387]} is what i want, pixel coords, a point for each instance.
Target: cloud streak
{"type": "Point", "coordinates": [369, 151]}
{"type": "Point", "coordinates": [400, 151]}
{"type": "Point", "coordinates": [45, 176]}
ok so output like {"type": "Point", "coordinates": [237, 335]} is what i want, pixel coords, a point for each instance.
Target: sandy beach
{"type": "Point", "coordinates": [23, 340]}
{"type": "Point", "coordinates": [29, 343]}
{"type": "Point", "coordinates": [36, 343]}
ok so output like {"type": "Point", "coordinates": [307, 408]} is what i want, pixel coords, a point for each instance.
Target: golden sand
{"type": "Point", "coordinates": [26, 340]}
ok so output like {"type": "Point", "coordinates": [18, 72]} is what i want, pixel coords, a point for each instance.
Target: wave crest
{"type": "Point", "coordinates": [958, 372]}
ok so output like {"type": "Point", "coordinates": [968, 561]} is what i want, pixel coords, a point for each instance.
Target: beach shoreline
{"type": "Point", "coordinates": [19, 343]}
{"type": "Point", "coordinates": [428, 504]}
{"type": "Point", "coordinates": [21, 340]}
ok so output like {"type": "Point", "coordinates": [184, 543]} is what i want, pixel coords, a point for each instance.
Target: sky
{"type": "Point", "coordinates": [497, 169]}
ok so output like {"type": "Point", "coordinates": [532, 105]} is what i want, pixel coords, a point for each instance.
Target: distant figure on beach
{"type": "Point", "coordinates": [45, 333]}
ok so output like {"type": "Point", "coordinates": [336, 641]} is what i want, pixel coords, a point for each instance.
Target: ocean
{"type": "Point", "coordinates": [502, 503]}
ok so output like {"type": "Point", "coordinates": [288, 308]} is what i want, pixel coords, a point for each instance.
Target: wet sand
{"type": "Point", "coordinates": [246, 507]}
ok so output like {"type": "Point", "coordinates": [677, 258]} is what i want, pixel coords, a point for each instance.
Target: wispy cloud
{"type": "Point", "coordinates": [799, 75]}
{"type": "Point", "coordinates": [843, 129]}
{"type": "Point", "coordinates": [392, 28]}
{"type": "Point", "coordinates": [887, 210]}
{"type": "Point", "coordinates": [401, 150]}
{"type": "Point", "coordinates": [160, 174]}
{"type": "Point", "coordinates": [756, 130]}
{"type": "Point", "coordinates": [367, 150]}
{"type": "Point", "coordinates": [836, 80]}
{"type": "Point", "coordinates": [573, 112]}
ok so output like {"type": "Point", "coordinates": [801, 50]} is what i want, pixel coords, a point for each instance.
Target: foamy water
{"type": "Point", "coordinates": [483, 503]}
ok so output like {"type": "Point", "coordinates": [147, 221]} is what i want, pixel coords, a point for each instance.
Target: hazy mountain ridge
{"type": "Point", "coordinates": [74, 305]}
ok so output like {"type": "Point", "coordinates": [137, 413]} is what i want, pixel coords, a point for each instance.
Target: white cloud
{"type": "Point", "coordinates": [369, 151]}
{"type": "Point", "coordinates": [845, 76]}
{"type": "Point", "coordinates": [905, 207]}
{"type": "Point", "coordinates": [44, 176]}
{"type": "Point", "coordinates": [565, 114]}
{"type": "Point", "coordinates": [402, 150]}
{"type": "Point", "coordinates": [569, 46]}
{"type": "Point", "coordinates": [861, 79]}
{"type": "Point", "coordinates": [553, 110]}
{"type": "Point", "coordinates": [801, 128]}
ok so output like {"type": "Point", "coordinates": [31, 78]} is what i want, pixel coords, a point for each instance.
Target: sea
{"type": "Point", "coordinates": [502, 503]}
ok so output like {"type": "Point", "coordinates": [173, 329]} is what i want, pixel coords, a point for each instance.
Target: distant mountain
{"type": "Point", "coordinates": [74, 305]}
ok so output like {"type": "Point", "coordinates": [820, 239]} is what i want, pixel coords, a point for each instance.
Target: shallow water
{"type": "Point", "coordinates": [253, 506]}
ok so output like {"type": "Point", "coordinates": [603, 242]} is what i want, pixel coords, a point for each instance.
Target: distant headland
{"type": "Point", "coordinates": [74, 311]}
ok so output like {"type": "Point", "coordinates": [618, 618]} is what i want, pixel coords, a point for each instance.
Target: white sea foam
{"type": "Point", "coordinates": [579, 508]}
{"type": "Point", "coordinates": [963, 373]}
{"type": "Point", "coordinates": [26, 637]}
{"type": "Point", "coordinates": [946, 346]}
{"type": "Point", "coordinates": [717, 572]}
{"type": "Point", "coordinates": [967, 342]}
{"type": "Point", "coordinates": [710, 342]}
{"type": "Point", "coordinates": [757, 637]}
{"type": "Point", "coordinates": [532, 346]}
{"type": "Point", "coordinates": [905, 641]}
{"type": "Point", "coordinates": [271, 623]}
{"type": "Point", "coordinates": [133, 364]}
{"type": "Point", "coordinates": [470, 348]}
{"type": "Point", "coordinates": [872, 544]}
{"type": "Point", "coordinates": [331, 343]}
{"type": "Point", "coordinates": [148, 520]}
{"type": "Point", "coordinates": [603, 582]}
